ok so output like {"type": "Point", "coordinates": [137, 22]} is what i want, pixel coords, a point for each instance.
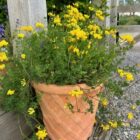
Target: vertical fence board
{"type": "Point", "coordinates": [26, 12]}
{"type": "Point", "coordinates": [113, 13]}
{"type": "Point", "coordinates": [9, 127]}
{"type": "Point", "coordinates": [21, 12]}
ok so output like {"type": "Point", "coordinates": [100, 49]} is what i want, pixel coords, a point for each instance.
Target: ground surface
{"type": "Point", "coordinates": [131, 95]}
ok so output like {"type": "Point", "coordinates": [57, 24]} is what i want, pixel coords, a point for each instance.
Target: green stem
{"type": "Point", "coordinates": [76, 104]}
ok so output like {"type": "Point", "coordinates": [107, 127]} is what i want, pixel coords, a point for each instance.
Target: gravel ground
{"type": "Point", "coordinates": [131, 95]}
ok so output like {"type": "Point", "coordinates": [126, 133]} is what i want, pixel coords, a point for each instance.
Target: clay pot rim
{"type": "Point", "coordinates": [56, 89]}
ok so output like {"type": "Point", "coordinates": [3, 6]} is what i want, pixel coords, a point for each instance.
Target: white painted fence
{"type": "Point", "coordinates": [27, 12]}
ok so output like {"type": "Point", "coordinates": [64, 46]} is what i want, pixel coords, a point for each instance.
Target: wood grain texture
{"type": "Point", "coordinates": [113, 13]}
{"type": "Point", "coordinates": [9, 126]}
{"type": "Point", "coordinates": [1, 112]}
{"type": "Point", "coordinates": [129, 8]}
{"type": "Point", "coordinates": [26, 12]}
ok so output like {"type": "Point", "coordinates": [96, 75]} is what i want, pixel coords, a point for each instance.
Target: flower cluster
{"type": "Point", "coordinates": [111, 124]}
{"type": "Point", "coordinates": [127, 37]}
{"type": "Point", "coordinates": [41, 134]}
{"type": "Point", "coordinates": [3, 54]}
{"type": "Point", "coordinates": [76, 93]}
{"type": "Point", "coordinates": [100, 15]}
{"type": "Point", "coordinates": [127, 75]}
{"type": "Point", "coordinates": [26, 28]}
{"type": "Point", "coordinates": [3, 43]}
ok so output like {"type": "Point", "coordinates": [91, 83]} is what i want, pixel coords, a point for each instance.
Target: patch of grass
{"type": "Point", "coordinates": [129, 20]}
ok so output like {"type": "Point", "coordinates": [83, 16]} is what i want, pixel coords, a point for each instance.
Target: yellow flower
{"type": "Point", "coordinates": [41, 134]}
{"type": "Point", "coordinates": [94, 28]}
{"type": "Point", "coordinates": [105, 127]}
{"type": "Point", "coordinates": [57, 20]}
{"type": "Point", "coordinates": [138, 136]}
{"type": "Point", "coordinates": [10, 92]}
{"type": "Point", "coordinates": [97, 36]}
{"type": "Point", "coordinates": [73, 12]}
{"type": "Point", "coordinates": [76, 4]}
{"type": "Point", "coordinates": [127, 37]}
{"type": "Point", "coordinates": [130, 116]}
{"type": "Point", "coordinates": [53, 6]}
{"type": "Point", "coordinates": [39, 25]}
{"type": "Point", "coordinates": [66, 16]}
{"type": "Point", "coordinates": [86, 16]}
{"type": "Point", "coordinates": [84, 52]}
{"type": "Point", "coordinates": [3, 43]}
{"type": "Point", "coordinates": [107, 32]}
{"type": "Point", "coordinates": [120, 70]}
{"type": "Point", "coordinates": [72, 22]}
{"type": "Point", "coordinates": [51, 14]}
{"type": "Point", "coordinates": [99, 14]}
{"type": "Point", "coordinates": [125, 124]}
{"type": "Point", "coordinates": [89, 46]}
{"type": "Point", "coordinates": [91, 8]}
{"type": "Point", "coordinates": [31, 111]}
{"type": "Point", "coordinates": [76, 92]}
{"type": "Point", "coordinates": [129, 76]}
{"type": "Point", "coordinates": [133, 107]}
{"type": "Point", "coordinates": [26, 28]}
{"type": "Point", "coordinates": [21, 35]}
{"type": "Point", "coordinates": [71, 39]}
{"type": "Point", "coordinates": [23, 56]}
{"type": "Point", "coordinates": [104, 102]}
{"type": "Point", "coordinates": [113, 124]}
{"type": "Point", "coordinates": [101, 17]}
{"type": "Point", "coordinates": [80, 34]}
{"type": "Point", "coordinates": [3, 57]}
{"type": "Point", "coordinates": [76, 50]}
{"type": "Point", "coordinates": [121, 73]}
{"type": "Point", "coordinates": [23, 82]}
{"type": "Point", "coordinates": [2, 66]}
{"type": "Point", "coordinates": [68, 6]}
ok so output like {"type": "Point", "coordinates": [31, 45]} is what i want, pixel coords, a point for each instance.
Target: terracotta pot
{"type": "Point", "coordinates": [61, 123]}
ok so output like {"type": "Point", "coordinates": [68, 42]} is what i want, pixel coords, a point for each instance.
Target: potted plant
{"type": "Point", "coordinates": [67, 64]}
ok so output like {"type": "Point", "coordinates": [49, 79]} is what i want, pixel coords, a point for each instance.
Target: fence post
{"type": "Point", "coordinates": [26, 12]}
{"type": "Point", "coordinates": [108, 12]}
{"type": "Point", "coordinates": [113, 15]}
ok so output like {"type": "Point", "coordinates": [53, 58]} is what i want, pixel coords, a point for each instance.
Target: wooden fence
{"type": "Point", "coordinates": [129, 8]}
{"type": "Point", "coordinates": [121, 9]}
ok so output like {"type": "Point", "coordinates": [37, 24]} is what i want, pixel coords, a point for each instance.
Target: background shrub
{"type": "Point", "coordinates": [3, 12]}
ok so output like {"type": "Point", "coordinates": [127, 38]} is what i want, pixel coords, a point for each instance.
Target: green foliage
{"type": "Point", "coordinates": [138, 102]}
{"type": "Point", "coordinates": [3, 11]}
{"type": "Point", "coordinates": [21, 100]}
{"type": "Point", "coordinates": [58, 5]}
{"type": "Point", "coordinates": [129, 20]}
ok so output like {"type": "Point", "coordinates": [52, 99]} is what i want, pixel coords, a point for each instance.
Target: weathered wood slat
{"type": "Point", "coordinates": [129, 8]}
{"type": "Point", "coordinates": [1, 112]}
{"type": "Point", "coordinates": [9, 127]}
{"type": "Point", "coordinates": [129, 28]}
{"type": "Point", "coordinates": [26, 12]}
